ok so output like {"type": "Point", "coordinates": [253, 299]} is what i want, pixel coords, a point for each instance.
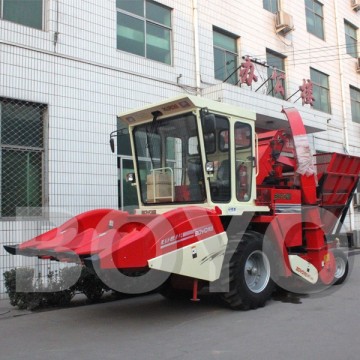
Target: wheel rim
{"type": "Point", "coordinates": [340, 267]}
{"type": "Point", "coordinates": [257, 271]}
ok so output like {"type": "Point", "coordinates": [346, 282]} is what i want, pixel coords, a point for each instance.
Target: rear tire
{"type": "Point", "coordinates": [249, 280]}
{"type": "Point", "coordinates": [342, 266]}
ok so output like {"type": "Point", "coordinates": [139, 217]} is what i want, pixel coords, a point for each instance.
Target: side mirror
{"type": "Point", "coordinates": [112, 144]}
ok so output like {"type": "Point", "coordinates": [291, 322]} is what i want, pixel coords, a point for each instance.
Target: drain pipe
{"type": "Point", "coordinates": [56, 30]}
{"type": "Point", "coordinates": [343, 103]}
{"type": "Point", "coordinates": [196, 47]}
{"type": "Point", "coordinates": [341, 74]}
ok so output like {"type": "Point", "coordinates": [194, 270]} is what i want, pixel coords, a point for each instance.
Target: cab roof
{"type": "Point", "coordinates": [180, 104]}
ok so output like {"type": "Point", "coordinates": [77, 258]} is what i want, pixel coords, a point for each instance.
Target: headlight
{"type": "Point", "coordinates": [130, 177]}
{"type": "Point", "coordinates": [210, 167]}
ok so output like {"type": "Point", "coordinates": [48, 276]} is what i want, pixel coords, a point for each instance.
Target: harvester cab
{"type": "Point", "coordinates": [194, 151]}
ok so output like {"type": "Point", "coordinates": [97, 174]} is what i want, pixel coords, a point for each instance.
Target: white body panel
{"type": "Point", "coordinates": [304, 269]}
{"type": "Point", "coordinates": [201, 260]}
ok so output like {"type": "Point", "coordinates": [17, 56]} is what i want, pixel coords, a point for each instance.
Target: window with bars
{"type": "Point", "coordinates": [28, 13]}
{"type": "Point", "coordinates": [271, 5]}
{"type": "Point", "coordinates": [355, 104]}
{"type": "Point", "coordinates": [351, 39]}
{"type": "Point", "coordinates": [144, 28]}
{"type": "Point", "coordinates": [21, 158]}
{"type": "Point", "coordinates": [314, 18]}
{"type": "Point", "coordinates": [321, 90]}
{"type": "Point", "coordinates": [225, 56]}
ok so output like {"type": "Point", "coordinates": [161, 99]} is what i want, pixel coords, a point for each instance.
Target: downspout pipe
{"type": "Point", "coordinates": [343, 103]}
{"type": "Point", "coordinates": [56, 30]}
{"type": "Point", "coordinates": [196, 46]}
{"type": "Point", "coordinates": [342, 82]}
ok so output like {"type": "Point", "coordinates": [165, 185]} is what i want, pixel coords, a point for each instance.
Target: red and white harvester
{"type": "Point", "coordinates": [221, 207]}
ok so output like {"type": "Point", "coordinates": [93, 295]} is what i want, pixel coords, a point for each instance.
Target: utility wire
{"type": "Point", "coordinates": [293, 53]}
{"type": "Point", "coordinates": [320, 60]}
{"type": "Point", "coordinates": [322, 48]}
{"type": "Point", "coordinates": [308, 60]}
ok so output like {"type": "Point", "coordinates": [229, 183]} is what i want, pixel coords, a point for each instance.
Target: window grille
{"type": "Point", "coordinates": [21, 158]}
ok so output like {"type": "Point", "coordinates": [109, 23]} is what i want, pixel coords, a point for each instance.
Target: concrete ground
{"type": "Point", "coordinates": [325, 326]}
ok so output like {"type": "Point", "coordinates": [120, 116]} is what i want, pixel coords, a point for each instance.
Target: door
{"type": "Point", "coordinates": [127, 193]}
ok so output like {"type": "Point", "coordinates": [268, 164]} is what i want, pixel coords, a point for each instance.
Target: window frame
{"type": "Point", "coordinates": [139, 138]}
{"type": "Point", "coordinates": [148, 22]}
{"type": "Point", "coordinates": [226, 51]}
{"type": "Point", "coordinates": [268, 5]}
{"type": "Point", "coordinates": [355, 103]}
{"type": "Point", "coordinates": [43, 5]}
{"type": "Point", "coordinates": [321, 88]}
{"type": "Point", "coordinates": [270, 70]}
{"type": "Point", "coordinates": [353, 40]}
{"type": "Point", "coordinates": [222, 123]}
{"type": "Point", "coordinates": [43, 151]}
{"type": "Point", "coordinates": [316, 16]}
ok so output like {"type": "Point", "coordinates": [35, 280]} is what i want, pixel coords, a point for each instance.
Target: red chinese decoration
{"type": "Point", "coordinates": [279, 88]}
{"type": "Point", "coordinates": [307, 92]}
{"type": "Point", "coordinates": [247, 72]}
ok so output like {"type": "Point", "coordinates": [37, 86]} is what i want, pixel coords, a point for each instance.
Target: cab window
{"type": "Point", "coordinates": [244, 161]}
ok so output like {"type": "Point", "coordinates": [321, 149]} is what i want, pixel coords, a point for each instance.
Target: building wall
{"type": "Point", "coordinates": [74, 68]}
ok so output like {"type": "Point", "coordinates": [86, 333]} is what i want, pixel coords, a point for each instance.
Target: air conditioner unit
{"type": "Point", "coordinates": [358, 65]}
{"type": "Point", "coordinates": [355, 4]}
{"type": "Point", "coordinates": [356, 200]}
{"type": "Point", "coordinates": [283, 22]}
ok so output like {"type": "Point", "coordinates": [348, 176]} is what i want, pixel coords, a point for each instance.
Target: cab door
{"type": "Point", "coordinates": [244, 161]}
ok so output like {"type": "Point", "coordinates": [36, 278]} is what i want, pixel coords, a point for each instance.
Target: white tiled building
{"type": "Point", "coordinates": [67, 68]}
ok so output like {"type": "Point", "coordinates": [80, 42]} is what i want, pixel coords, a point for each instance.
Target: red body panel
{"type": "Point", "coordinates": [307, 181]}
{"type": "Point", "coordinates": [285, 205]}
{"type": "Point", "coordinates": [165, 233]}
{"type": "Point", "coordinates": [270, 145]}
{"type": "Point", "coordinates": [312, 226]}
{"type": "Point", "coordinates": [76, 230]}
{"type": "Point", "coordinates": [122, 240]}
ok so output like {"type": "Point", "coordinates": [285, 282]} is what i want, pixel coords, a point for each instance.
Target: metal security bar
{"type": "Point", "coordinates": [21, 158]}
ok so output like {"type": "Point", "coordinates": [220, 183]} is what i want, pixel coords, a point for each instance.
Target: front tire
{"type": "Point", "coordinates": [249, 280]}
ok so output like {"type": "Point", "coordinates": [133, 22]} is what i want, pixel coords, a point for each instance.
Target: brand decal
{"type": "Point", "coordinates": [177, 238]}
{"type": "Point", "coordinates": [203, 230]}
{"type": "Point", "coordinates": [285, 196]}
{"type": "Point", "coordinates": [148, 212]}
{"type": "Point", "coordinates": [170, 107]}
{"type": "Point", "coordinates": [304, 273]}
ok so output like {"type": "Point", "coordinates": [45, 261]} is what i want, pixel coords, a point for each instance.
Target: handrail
{"type": "Point", "coordinates": [257, 154]}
